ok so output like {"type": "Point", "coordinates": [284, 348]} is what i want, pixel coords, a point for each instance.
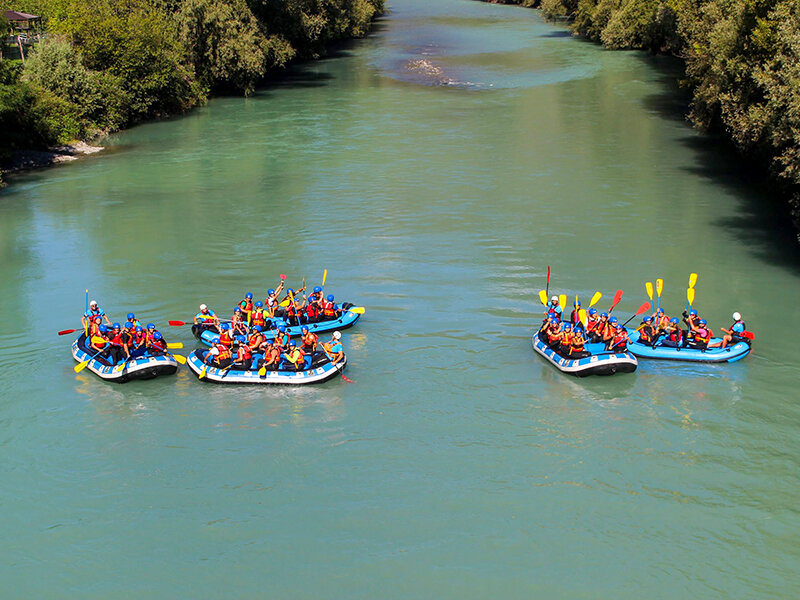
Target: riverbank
{"type": "Point", "coordinates": [741, 66]}
{"type": "Point", "coordinates": [27, 160]}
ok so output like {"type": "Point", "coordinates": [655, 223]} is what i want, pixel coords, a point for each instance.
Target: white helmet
{"type": "Point", "coordinates": [203, 307]}
{"type": "Point", "coordinates": [337, 335]}
{"type": "Point", "coordinates": [93, 303]}
{"type": "Point", "coordinates": [737, 316]}
{"type": "Point", "coordinates": [554, 299]}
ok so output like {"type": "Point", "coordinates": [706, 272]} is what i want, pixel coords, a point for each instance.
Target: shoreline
{"type": "Point", "coordinates": [29, 160]}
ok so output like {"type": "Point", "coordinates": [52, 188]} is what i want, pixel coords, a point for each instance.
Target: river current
{"type": "Point", "coordinates": [435, 169]}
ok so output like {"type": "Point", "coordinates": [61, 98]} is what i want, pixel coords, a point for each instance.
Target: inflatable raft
{"type": "Point", "coordinates": [732, 353]}
{"type": "Point", "coordinates": [143, 367]}
{"type": "Point", "coordinates": [348, 319]}
{"type": "Point", "coordinates": [321, 369]}
{"type": "Point", "coordinates": [601, 362]}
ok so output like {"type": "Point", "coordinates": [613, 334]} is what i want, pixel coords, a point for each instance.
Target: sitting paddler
{"type": "Point", "coordinates": [555, 334]}
{"type": "Point", "coordinates": [619, 340]}
{"type": "Point", "coordinates": [139, 342]}
{"type": "Point", "coordinates": [205, 319]}
{"type": "Point", "coordinates": [660, 321]}
{"type": "Point", "coordinates": [330, 311]}
{"type": "Point", "coordinates": [281, 337]}
{"type": "Point", "coordinates": [611, 327]}
{"type": "Point", "coordinates": [334, 348]}
{"type": "Point", "coordinates": [258, 317]}
{"type": "Point", "coordinates": [732, 335]}
{"type": "Point", "coordinates": [592, 321]}
{"type": "Point", "coordinates": [93, 312]}
{"type": "Point", "coordinates": [673, 334]}
{"type": "Point", "coordinates": [295, 312]}
{"type": "Point", "coordinates": [226, 337]}
{"type": "Point", "coordinates": [150, 333]}
{"type": "Point", "coordinates": [647, 333]}
{"type": "Point", "coordinates": [94, 326]}
{"type": "Point", "coordinates": [272, 356]}
{"type": "Point", "coordinates": [99, 340]}
{"type": "Point", "coordinates": [133, 320]}
{"type": "Point", "coordinates": [128, 337]}
{"type": "Point", "coordinates": [158, 345]}
{"type": "Point", "coordinates": [567, 334]}
{"type": "Point", "coordinates": [576, 346]}
{"type": "Point", "coordinates": [244, 356]}
{"type": "Point", "coordinates": [256, 338]}
{"type": "Point", "coordinates": [247, 307]}
{"type": "Point", "coordinates": [118, 350]}
{"type": "Point", "coordinates": [575, 317]}
{"type": "Point", "coordinates": [314, 306]}
{"type": "Point", "coordinates": [219, 355]}
{"type": "Point", "coordinates": [309, 340]}
{"type": "Point", "coordinates": [272, 303]}
{"type": "Point", "coordinates": [238, 324]}
{"type": "Point", "coordinates": [554, 306]}
{"type": "Point", "coordinates": [601, 330]}
{"type": "Point", "coordinates": [699, 336]}
{"type": "Point", "coordinates": [691, 319]}
{"type": "Point", "coordinates": [293, 356]}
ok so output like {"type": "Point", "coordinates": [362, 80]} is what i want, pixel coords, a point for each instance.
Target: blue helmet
{"type": "Point", "coordinates": [604, 315]}
{"type": "Point", "coordinates": [612, 320]}
{"type": "Point", "coordinates": [330, 297]}
{"type": "Point", "coordinates": [618, 326]}
{"type": "Point", "coordinates": [674, 320]}
{"type": "Point", "coordinates": [215, 340]}
{"type": "Point", "coordinates": [128, 325]}
{"type": "Point", "coordinates": [693, 312]}
{"type": "Point", "coordinates": [592, 311]}
{"type": "Point", "coordinates": [225, 326]}
{"type": "Point", "coordinates": [282, 329]}
{"type": "Point", "coordinates": [131, 316]}
{"type": "Point", "coordinates": [292, 344]}
{"type": "Point", "coordinates": [241, 338]}
{"type": "Point", "coordinates": [660, 311]}
{"type": "Point", "coordinates": [702, 322]}
{"type": "Point", "coordinates": [290, 291]}
{"type": "Point", "coordinates": [157, 336]}
{"type": "Point", "coordinates": [647, 320]}
{"type": "Point", "coordinates": [103, 329]}
{"type": "Point", "coordinates": [237, 309]}
{"type": "Point", "coordinates": [304, 328]}
{"type": "Point", "coordinates": [115, 326]}
{"type": "Point", "coordinates": [258, 328]}
{"type": "Point", "coordinates": [567, 326]}
{"type": "Point", "coordinates": [577, 303]}
{"type": "Point", "coordinates": [259, 304]}
{"type": "Point", "coordinates": [317, 289]}
{"type": "Point", "coordinates": [270, 291]}
{"type": "Point", "coordinates": [249, 295]}
{"type": "Point", "coordinates": [151, 326]}
{"type": "Point", "coordinates": [139, 328]}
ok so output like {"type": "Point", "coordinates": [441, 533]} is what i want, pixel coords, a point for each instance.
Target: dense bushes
{"type": "Point", "coordinates": [742, 64]}
{"type": "Point", "coordinates": [107, 64]}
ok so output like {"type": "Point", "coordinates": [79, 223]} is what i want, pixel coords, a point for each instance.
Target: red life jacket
{"type": "Point", "coordinates": [224, 352]}
{"type": "Point", "coordinates": [675, 335]}
{"type": "Point", "coordinates": [158, 345]}
{"type": "Point", "coordinates": [244, 353]}
{"type": "Point", "coordinates": [577, 344]}
{"type": "Point", "coordinates": [99, 341]}
{"type": "Point", "coordinates": [329, 310]}
{"type": "Point", "coordinates": [140, 337]}
{"type": "Point", "coordinates": [310, 340]}
{"type": "Point", "coordinates": [591, 324]}
{"type": "Point", "coordinates": [246, 305]}
{"type": "Point", "coordinates": [312, 310]}
{"type": "Point", "coordinates": [117, 339]}
{"type": "Point", "coordinates": [258, 318]}
{"type": "Point", "coordinates": [646, 334]}
{"type": "Point", "coordinates": [619, 340]}
{"type": "Point", "coordinates": [225, 338]}
{"type": "Point", "coordinates": [255, 340]}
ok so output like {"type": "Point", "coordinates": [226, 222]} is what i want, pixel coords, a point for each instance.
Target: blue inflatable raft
{"type": "Point", "coordinates": [601, 362]}
{"type": "Point", "coordinates": [732, 353]}
{"type": "Point", "coordinates": [348, 319]}
{"type": "Point", "coordinates": [321, 369]}
{"type": "Point", "coordinates": [143, 367]}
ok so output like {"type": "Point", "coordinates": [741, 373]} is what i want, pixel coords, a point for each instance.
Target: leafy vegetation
{"type": "Point", "coordinates": [107, 64]}
{"type": "Point", "coordinates": [742, 63]}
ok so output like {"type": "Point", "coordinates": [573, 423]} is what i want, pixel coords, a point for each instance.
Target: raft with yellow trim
{"type": "Point", "coordinates": [146, 366]}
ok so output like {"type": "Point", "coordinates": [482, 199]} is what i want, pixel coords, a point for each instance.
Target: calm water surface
{"type": "Point", "coordinates": [435, 169]}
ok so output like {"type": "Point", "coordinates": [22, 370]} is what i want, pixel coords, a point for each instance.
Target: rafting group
{"type": "Point", "coordinates": [254, 346]}
{"type": "Point", "coordinates": [592, 343]}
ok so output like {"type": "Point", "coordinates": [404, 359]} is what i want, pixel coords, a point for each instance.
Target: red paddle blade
{"type": "Point", "coordinates": [748, 335]}
{"type": "Point", "coordinates": [617, 298]}
{"type": "Point", "coordinates": [283, 277]}
{"type": "Point", "coordinates": [548, 273]}
{"type": "Point", "coordinates": [347, 379]}
{"type": "Point", "coordinates": [643, 309]}
{"type": "Point", "coordinates": [176, 323]}
{"type": "Point", "coordinates": [66, 331]}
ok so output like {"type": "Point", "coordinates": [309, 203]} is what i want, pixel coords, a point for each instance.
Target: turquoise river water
{"type": "Point", "coordinates": [434, 169]}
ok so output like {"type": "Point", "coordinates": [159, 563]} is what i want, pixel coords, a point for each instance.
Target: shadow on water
{"type": "Point", "coordinates": [763, 224]}
{"type": "Point", "coordinates": [566, 33]}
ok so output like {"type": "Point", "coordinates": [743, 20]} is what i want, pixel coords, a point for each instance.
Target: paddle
{"type": "Point", "coordinates": [562, 300]}
{"type": "Point", "coordinates": [617, 298]}
{"type": "Point", "coordinates": [595, 299]}
{"type": "Point", "coordinates": [335, 366]}
{"type": "Point", "coordinates": [324, 277]}
{"type": "Point", "coordinates": [82, 365]}
{"type": "Point", "coordinates": [359, 310]}
{"type": "Point", "coordinates": [642, 309]}
{"type": "Point", "coordinates": [175, 345]}
{"type": "Point", "coordinates": [66, 331]}
{"type": "Point", "coordinates": [649, 288]}
{"type": "Point", "coordinates": [689, 297]}
{"type": "Point", "coordinates": [584, 319]}
{"type": "Point", "coordinates": [547, 287]}
{"type": "Point", "coordinates": [182, 323]}
{"type": "Point", "coordinates": [692, 283]}
{"type": "Point", "coordinates": [542, 298]}
{"type": "Point", "coordinates": [659, 288]}
{"type": "Point", "coordinates": [203, 371]}
{"type": "Point", "coordinates": [748, 335]}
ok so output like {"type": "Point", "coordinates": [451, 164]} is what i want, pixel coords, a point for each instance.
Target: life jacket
{"type": "Point", "coordinates": [149, 336]}
{"type": "Point", "coordinates": [662, 322]}
{"type": "Point", "coordinates": [272, 355]}
{"type": "Point", "coordinates": [94, 329]}
{"type": "Point", "coordinates": [675, 334]}
{"type": "Point", "coordinates": [576, 344]}
{"type": "Point", "coordinates": [117, 339]}
{"type": "Point", "coordinates": [202, 317]}
{"type": "Point", "coordinates": [225, 338]}
{"type": "Point", "coordinates": [99, 341]}
{"type": "Point", "coordinates": [566, 338]}
{"type": "Point", "coordinates": [281, 339]}
{"type": "Point", "coordinates": [646, 334]}
{"type": "Point", "coordinates": [158, 345]}
{"type": "Point", "coordinates": [602, 328]}
{"type": "Point", "coordinates": [291, 310]}
{"type": "Point", "coordinates": [246, 305]}
{"type": "Point", "coordinates": [329, 310]}
{"type": "Point", "coordinates": [140, 337]}
{"type": "Point", "coordinates": [591, 324]}
{"type": "Point", "coordinates": [258, 318]}
{"type": "Point", "coordinates": [310, 340]}
{"type": "Point", "coordinates": [295, 356]}
{"type": "Point", "coordinates": [619, 340]}
{"type": "Point", "coordinates": [224, 352]}
{"type": "Point", "coordinates": [244, 353]}
{"type": "Point", "coordinates": [702, 335]}
{"type": "Point", "coordinates": [312, 310]}
{"type": "Point", "coordinates": [554, 335]}
{"type": "Point", "coordinates": [575, 317]}
{"type": "Point", "coordinates": [255, 340]}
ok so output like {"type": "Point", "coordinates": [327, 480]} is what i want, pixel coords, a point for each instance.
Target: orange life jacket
{"type": "Point", "coordinates": [224, 352]}
{"type": "Point", "coordinates": [281, 339]}
{"type": "Point", "coordinates": [225, 338]}
{"type": "Point", "coordinates": [310, 340]}
{"type": "Point", "coordinates": [577, 344]}
{"type": "Point", "coordinates": [244, 353]}
{"type": "Point", "coordinates": [329, 310]}
{"type": "Point", "coordinates": [255, 340]}
{"type": "Point", "coordinates": [258, 318]}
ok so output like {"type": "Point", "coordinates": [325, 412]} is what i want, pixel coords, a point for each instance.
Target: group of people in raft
{"type": "Point", "coordinates": [568, 338]}
{"type": "Point", "coordinates": [120, 343]}
{"type": "Point", "coordinates": [242, 337]}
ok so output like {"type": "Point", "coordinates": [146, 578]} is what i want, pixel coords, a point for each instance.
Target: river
{"type": "Point", "coordinates": [435, 169]}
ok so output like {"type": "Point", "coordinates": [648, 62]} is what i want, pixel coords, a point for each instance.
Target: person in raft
{"type": "Point", "coordinates": [673, 334]}
{"type": "Point", "coordinates": [292, 356]}
{"type": "Point", "coordinates": [273, 305]}
{"type": "Point", "coordinates": [309, 341]}
{"type": "Point", "coordinates": [218, 356]}
{"type": "Point", "coordinates": [244, 356]}
{"type": "Point", "coordinates": [554, 306]}
{"type": "Point", "coordinates": [206, 319]}
{"type": "Point", "coordinates": [691, 319]}
{"type": "Point", "coordinates": [334, 348]}
{"type": "Point", "coordinates": [575, 317]}
{"type": "Point", "coordinates": [272, 356]}
{"type": "Point", "coordinates": [619, 341]}
{"type": "Point", "coordinates": [732, 335]}
{"type": "Point", "coordinates": [647, 333]}
{"type": "Point", "coordinates": [247, 307]}
{"type": "Point", "coordinates": [93, 312]}
{"type": "Point", "coordinates": [576, 345]}
{"type": "Point", "coordinates": [699, 336]}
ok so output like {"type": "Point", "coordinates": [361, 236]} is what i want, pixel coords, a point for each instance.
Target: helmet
{"type": "Point", "coordinates": [237, 309]}
{"type": "Point", "coordinates": [604, 315]}
{"type": "Point", "coordinates": [593, 311]}
{"type": "Point", "coordinates": [215, 340]}
{"type": "Point", "coordinates": [270, 291]}
{"type": "Point", "coordinates": [98, 319]}
{"type": "Point", "coordinates": [693, 312]}
{"type": "Point", "coordinates": [612, 320]}
{"type": "Point", "coordinates": [258, 328]}
{"type": "Point", "coordinates": [554, 299]}
{"type": "Point", "coordinates": [647, 320]}
{"type": "Point", "coordinates": [337, 335]}
{"type": "Point", "coordinates": [282, 329]}
{"type": "Point", "coordinates": [660, 311]}
{"type": "Point", "coordinates": [128, 325]}
{"type": "Point", "coordinates": [131, 316]}
{"type": "Point", "coordinates": [259, 304]}
{"type": "Point", "coordinates": [577, 303]}
{"type": "Point", "coordinates": [203, 307]}
{"type": "Point", "coordinates": [317, 289]}
{"type": "Point", "coordinates": [553, 319]}
{"type": "Point", "coordinates": [552, 314]}
{"type": "Point", "coordinates": [567, 326]}
{"type": "Point", "coordinates": [157, 336]}
{"type": "Point", "coordinates": [674, 320]}
{"type": "Point", "coordinates": [304, 328]}
{"type": "Point", "coordinates": [292, 344]}
{"type": "Point", "coordinates": [115, 326]}
{"type": "Point", "coordinates": [330, 297]}
{"type": "Point", "coordinates": [240, 338]}
{"type": "Point", "coordinates": [702, 322]}
{"type": "Point", "coordinates": [103, 329]}
{"type": "Point", "coordinates": [290, 291]}
{"type": "Point", "coordinates": [737, 316]}
{"type": "Point", "coordinates": [151, 326]}
{"type": "Point", "coordinates": [225, 326]}
{"type": "Point", "coordinates": [139, 328]}
{"type": "Point", "coordinates": [618, 326]}
{"type": "Point", "coordinates": [249, 295]}
{"type": "Point", "coordinates": [93, 303]}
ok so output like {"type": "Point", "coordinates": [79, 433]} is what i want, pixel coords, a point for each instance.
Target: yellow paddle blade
{"type": "Point", "coordinates": [359, 310]}
{"type": "Point", "coordinates": [690, 296]}
{"type": "Point", "coordinates": [324, 277]}
{"type": "Point", "coordinates": [595, 299]}
{"type": "Point", "coordinates": [81, 366]}
{"type": "Point", "coordinates": [584, 319]}
{"type": "Point", "coordinates": [576, 301]}
{"type": "Point", "coordinates": [285, 303]}
{"type": "Point", "coordinates": [203, 372]}
{"type": "Point", "coordinates": [543, 297]}
{"type": "Point", "coordinates": [119, 367]}
{"type": "Point", "coordinates": [262, 371]}
{"type": "Point", "coordinates": [649, 287]}
{"type": "Point", "coordinates": [659, 286]}
{"type": "Point", "coordinates": [175, 345]}
{"type": "Point", "coordinates": [692, 280]}
{"type": "Point", "coordinates": [562, 300]}
{"type": "Point", "coordinates": [180, 359]}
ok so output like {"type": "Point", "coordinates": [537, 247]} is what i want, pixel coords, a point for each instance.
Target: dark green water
{"type": "Point", "coordinates": [435, 169]}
